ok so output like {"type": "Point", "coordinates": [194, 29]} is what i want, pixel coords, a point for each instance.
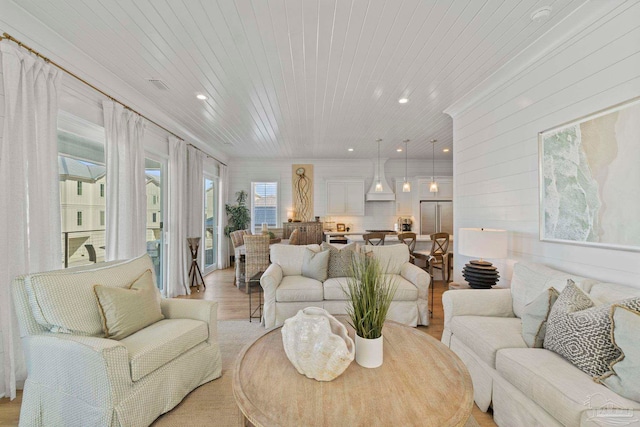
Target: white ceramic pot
{"type": "Point", "coordinates": [317, 344]}
{"type": "Point", "coordinates": [369, 352]}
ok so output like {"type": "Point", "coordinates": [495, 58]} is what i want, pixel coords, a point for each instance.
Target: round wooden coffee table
{"type": "Point", "coordinates": [421, 382]}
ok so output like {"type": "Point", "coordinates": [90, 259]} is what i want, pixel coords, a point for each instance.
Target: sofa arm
{"type": "Point", "coordinates": [476, 302]}
{"type": "Point", "coordinates": [270, 281]}
{"type": "Point", "coordinates": [61, 362]}
{"type": "Point", "coordinates": [206, 311]}
{"type": "Point", "coordinates": [418, 277]}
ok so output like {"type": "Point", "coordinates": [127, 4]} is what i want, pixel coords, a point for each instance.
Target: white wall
{"type": "Point", "coordinates": [588, 63]}
{"type": "Point", "coordinates": [378, 215]}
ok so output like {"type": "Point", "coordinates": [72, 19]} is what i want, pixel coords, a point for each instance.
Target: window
{"type": "Point", "coordinates": [210, 224]}
{"type": "Point", "coordinates": [79, 188]}
{"type": "Point", "coordinates": [101, 190]}
{"type": "Point", "coordinates": [154, 172]}
{"type": "Point", "coordinates": [79, 218]}
{"type": "Point", "coordinates": [264, 204]}
{"type": "Point", "coordinates": [102, 218]}
{"type": "Point", "coordinates": [154, 217]}
{"type": "Point", "coordinates": [155, 202]}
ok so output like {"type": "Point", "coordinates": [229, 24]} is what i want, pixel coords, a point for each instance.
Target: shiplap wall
{"type": "Point", "coordinates": [496, 145]}
{"type": "Point", "coordinates": [378, 215]}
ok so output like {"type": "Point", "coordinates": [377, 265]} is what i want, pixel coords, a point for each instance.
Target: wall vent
{"type": "Point", "coordinates": [159, 84]}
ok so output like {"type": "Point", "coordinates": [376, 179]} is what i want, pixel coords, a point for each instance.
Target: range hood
{"type": "Point", "coordinates": [387, 194]}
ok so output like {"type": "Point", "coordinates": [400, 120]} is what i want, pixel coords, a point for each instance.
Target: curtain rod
{"type": "Point", "coordinates": [75, 76]}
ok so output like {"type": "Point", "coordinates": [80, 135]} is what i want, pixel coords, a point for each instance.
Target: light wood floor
{"type": "Point", "coordinates": [234, 304]}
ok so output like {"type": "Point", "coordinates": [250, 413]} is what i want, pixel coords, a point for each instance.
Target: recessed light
{"type": "Point", "coordinates": [399, 150]}
{"type": "Point", "coordinates": [201, 96]}
{"type": "Point", "coordinates": [541, 14]}
{"type": "Point", "coordinates": [446, 150]}
{"type": "Point", "coordinates": [349, 149]}
{"type": "Point", "coordinates": [403, 100]}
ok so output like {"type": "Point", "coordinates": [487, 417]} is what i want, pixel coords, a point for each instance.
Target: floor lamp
{"type": "Point", "coordinates": [481, 243]}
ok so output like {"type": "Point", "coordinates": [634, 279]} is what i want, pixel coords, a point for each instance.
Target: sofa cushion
{"type": "Point", "coordinates": [405, 291]}
{"type": "Point", "coordinates": [160, 343]}
{"type": "Point", "coordinates": [127, 310]}
{"type": "Point", "coordinates": [534, 317]}
{"type": "Point", "coordinates": [553, 383]}
{"type": "Point", "coordinates": [299, 288]}
{"type": "Point", "coordinates": [607, 293]}
{"type": "Point", "coordinates": [64, 301]}
{"type": "Point", "coordinates": [581, 333]}
{"type": "Point", "coordinates": [486, 335]}
{"type": "Point", "coordinates": [391, 258]}
{"type": "Point", "coordinates": [624, 377]}
{"type": "Point", "coordinates": [334, 289]}
{"type": "Point", "coordinates": [314, 264]}
{"type": "Point", "coordinates": [530, 279]}
{"type": "Point", "coordinates": [289, 257]}
{"type": "Point", "coordinates": [339, 259]}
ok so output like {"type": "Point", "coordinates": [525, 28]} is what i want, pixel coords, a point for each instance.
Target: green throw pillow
{"type": "Point", "coordinates": [534, 317]}
{"type": "Point", "coordinates": [314, 264]}
{"type": "Point", "coordinates": [339, 259]}
{"type": "Point", "coordinates": [624, 377]}
{"type": "Point", "coordinates": [125, 311]}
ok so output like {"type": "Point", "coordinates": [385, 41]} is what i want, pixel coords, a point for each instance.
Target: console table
{"type": "Point", "coordinates": [310, 232]}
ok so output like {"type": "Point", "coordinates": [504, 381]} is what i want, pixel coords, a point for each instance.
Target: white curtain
{"type": "Point", "coordinates": [30, 230]}
{"type": "Point", "coordinates": [195, 188]}
{"type": "Point", "coordinates": [177, 221]}
{"type": "Point", "coordinates": [223, 241]}
{"type": "Point", "coordinates": [126, 219]}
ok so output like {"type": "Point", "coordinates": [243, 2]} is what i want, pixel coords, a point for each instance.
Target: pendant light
{"type": "Point", "coordinates": [378, 188]}
{"type": "Point", "coordinates": [406, 186]}
{"type": "Point", "coordinates": [433, 187]}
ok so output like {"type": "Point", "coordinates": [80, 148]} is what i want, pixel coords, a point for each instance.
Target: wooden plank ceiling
{"type": "Point", "coordinates": [304, 78]}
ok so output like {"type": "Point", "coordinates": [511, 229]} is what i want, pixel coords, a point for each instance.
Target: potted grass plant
{"type": "Point", "coordinates": [370, 292]}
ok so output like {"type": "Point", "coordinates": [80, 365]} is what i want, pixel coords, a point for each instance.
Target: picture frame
{"type": "Point", "coordinates": [588, 179]}
{"type": "Point", "coordinates": [340, 227]}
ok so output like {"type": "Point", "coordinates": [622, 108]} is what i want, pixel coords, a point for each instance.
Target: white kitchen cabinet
{"type": "Point", "coordinates": [404, 201]}
{"type": "Point", "coordinates": [445, 189]}
{"type": "Point", "coordinates": [345, 197]}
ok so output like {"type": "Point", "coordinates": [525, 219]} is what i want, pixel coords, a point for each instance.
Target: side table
{"type": "Point", "coordinates": [254, 283]}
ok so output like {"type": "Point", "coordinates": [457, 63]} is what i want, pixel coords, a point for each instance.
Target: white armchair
{"type": "Point", "coordinates": [81, 378]}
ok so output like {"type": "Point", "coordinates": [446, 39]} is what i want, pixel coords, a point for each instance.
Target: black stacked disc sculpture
{"type": "Point", "coordinates": [480, 274]}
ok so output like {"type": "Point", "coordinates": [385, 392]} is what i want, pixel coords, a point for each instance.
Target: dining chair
{"type": "Point", "coordinates": [374, 239]}
{"type": "Point", "coordinates": [256, 257]}
{"type": "Point", "coordinates": [409, 239]}
{"type": "Point", "coordinates": [439, 250]}
{"type": "Point", "coordinates": [237, 240]}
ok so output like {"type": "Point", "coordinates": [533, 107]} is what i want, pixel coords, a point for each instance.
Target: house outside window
{"type": "Point", "coordinates": [264, 205]}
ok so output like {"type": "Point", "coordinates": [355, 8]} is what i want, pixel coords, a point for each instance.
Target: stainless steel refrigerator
{"type": "Point", "coordinates": [436, 217]}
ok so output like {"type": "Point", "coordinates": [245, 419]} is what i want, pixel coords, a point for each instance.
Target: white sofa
{"type": "Point", "coordinates": [286, 291]}
{"type": "Point", "coordinates": [83, 379]}
{"type": "Point", "coordinates": [528, 386]}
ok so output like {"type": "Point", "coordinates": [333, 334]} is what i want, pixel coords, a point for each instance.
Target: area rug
{"type": "Point", "coordinates": [213, 403]}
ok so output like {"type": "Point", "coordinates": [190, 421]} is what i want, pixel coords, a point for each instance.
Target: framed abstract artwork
{"type": "Point", "coordinates": [590, 179]}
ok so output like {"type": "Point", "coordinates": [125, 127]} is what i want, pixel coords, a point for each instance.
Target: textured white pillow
{"type": "Point", "coordinates": [314, 264]}
{"type": "Point", "coordinates": [534, 317]}
{"type": "Point", "coordinates": [391, 258]}
{"type": "Point", "coordinates": [126, 311]}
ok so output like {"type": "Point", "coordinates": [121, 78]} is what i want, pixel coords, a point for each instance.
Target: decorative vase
{"type": "Point", "coordinates": [369, 352]}
{"type": "Point", "coordinates": [317, 344]}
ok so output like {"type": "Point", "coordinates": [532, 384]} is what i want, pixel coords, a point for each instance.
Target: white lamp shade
{"type": "Point", "coordinates": [482, 242]}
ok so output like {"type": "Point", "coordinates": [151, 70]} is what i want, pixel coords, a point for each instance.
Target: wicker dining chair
{"type": "Point", "coordinates": [237, 240]}
{"type": "Point", "coordinates": [256, 257]}
{"type": "Point", "coordinates": [375, 239]}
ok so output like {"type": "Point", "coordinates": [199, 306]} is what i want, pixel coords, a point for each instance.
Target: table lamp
{"type": "Point", "coordinates": [481, 243]}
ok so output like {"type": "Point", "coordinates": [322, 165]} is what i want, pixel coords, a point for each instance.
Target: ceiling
{"type": "Point", "coordinates": [303, 79]}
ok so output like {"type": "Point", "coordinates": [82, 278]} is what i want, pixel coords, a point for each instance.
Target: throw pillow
{"type": "Point", "coordinates": [534, 317]}
{"type": "Point", "coordinates": [125, 311]}
{"type": "Point", "coordinates": [581, 333]}
{"type": "Point", "coordinates": [314, 264]}
{"type": "Point", "coordinates": [339, 259]}
{"type": "Point", "coordinates": [294, 237]}
{"type": "Point", "coordinates": [624, 377]}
